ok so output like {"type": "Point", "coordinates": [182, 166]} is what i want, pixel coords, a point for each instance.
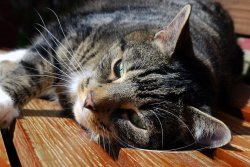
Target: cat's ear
{"type": "Point", "coordinates": [207, 130]}
{"type": "Point", "coordinates": [172, 36]}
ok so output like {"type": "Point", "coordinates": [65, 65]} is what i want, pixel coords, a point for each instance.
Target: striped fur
{"type": "Point", "coordinates": [163, 98]}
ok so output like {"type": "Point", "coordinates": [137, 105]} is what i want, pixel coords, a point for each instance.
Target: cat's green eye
{"type": "Point", "coordinates": [118, 69]}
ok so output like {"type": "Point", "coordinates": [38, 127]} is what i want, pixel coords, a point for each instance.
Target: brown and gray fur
{"type": "Point", "coordinates": [177, 63]}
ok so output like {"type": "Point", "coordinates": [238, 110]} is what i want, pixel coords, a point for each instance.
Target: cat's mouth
{"type": "Point", "coordinates": [134, 118]}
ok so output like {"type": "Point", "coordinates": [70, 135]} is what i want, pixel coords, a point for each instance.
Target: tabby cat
{"type": "Point", "coordinates": [142, 73]}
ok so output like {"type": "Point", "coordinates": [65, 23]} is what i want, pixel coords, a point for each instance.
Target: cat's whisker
{"type": "Point", "coordinates": [92, 136]}
{"type": "Point", "coordinates": [162, 132]}
{"type": "Point", "coordinates": [123, 143]}
{"type": "Point", "coordinates": [109, 144]}
{"type": "Point", "coordinates": [57, 44]}
{"type": "Point", "coordinates": [189, 145]}
{"type": "Point", "coordinates": [179, 119]}
{"type": "Point", "coordinates": [103, 141]}
{"type": "Point", "coordinates": [69, 69]}
{"type": "Point", "coordinates": [120, 141]}
{"type": "Point", "coordinates": [181, 148]}
{"type": "Point", "coordinates": [60, 85]}
{"type": "Point", "coordinates": [202, 148]}
{"type": "Point", "coordinates": [59, 22]}
{"type": "Point", "coordinates": [169, 150]}
{"type": "Point", "coordinates": [45, 28]}
{"type": "Point", "coordinates": [52, 64]}
{"type": "Point", "coordinates": [99, 140]}
{"type": "Point", "coordinates": [55, 86]}
{"type": "Point", "coordinates": [39, 15]}
{"type": "Point", "coordinates": [47, 72]}
{"type": "Point", "coordinates": [115, 32]}
{"type": "Point", "coordinates": [44, 76]}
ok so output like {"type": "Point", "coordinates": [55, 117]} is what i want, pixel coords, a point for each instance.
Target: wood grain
{"type": "Point", "coordinates": [4, 160]}
{"type": "Point", "coordinates": [157, 158]}
{"type": "Point", "coordinates": [238, 152]}
{"type": "Point", "coordinates": [240, 12]}
{"type": "Point", "coordinates": [49, 139]}
{"type": "Point", "coordinates": [246, 113]}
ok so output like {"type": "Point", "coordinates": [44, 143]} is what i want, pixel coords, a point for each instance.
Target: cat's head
{"type": "Point", "coordinates": [137, 95]}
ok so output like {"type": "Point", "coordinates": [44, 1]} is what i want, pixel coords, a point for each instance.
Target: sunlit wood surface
{"type": "Point", "coordinates": [4, 160]}
{"type": "Point", "coordinates": [49, 138]}
{"type": "Point", "coordinates": [44, 136]}
{"type": "Point", "coordinates": [237, 153]}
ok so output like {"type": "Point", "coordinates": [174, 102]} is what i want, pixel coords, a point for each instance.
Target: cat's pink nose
{"type": "Point", "coordinates": [89, 104]}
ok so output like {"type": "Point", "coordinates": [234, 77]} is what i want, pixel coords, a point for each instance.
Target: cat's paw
{"type": "Point", "coordinates": [8, 112]}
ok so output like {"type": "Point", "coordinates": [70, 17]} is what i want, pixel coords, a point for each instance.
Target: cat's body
{"type": "Point", "coordinates": [132, 72]}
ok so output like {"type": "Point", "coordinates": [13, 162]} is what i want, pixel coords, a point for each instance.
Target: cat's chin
{"type": "Point", "coordinates": [122, 131]}
{"type": "Point", "coordinates": [88, 120]}
{"type": "Point", "coordinates": [96, 129]}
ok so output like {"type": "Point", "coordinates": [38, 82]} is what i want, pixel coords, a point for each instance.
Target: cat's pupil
{"type": "Point", "coordinates": [118, 69]}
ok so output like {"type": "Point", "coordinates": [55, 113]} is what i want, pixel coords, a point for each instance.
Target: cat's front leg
{"type": "Point", "coordinates": [22, 77]}
{"type": "Point", "coordinates": [8, 111]}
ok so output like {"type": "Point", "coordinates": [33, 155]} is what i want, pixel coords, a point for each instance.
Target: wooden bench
{"type": "Point", "coordinates": [44, 136]}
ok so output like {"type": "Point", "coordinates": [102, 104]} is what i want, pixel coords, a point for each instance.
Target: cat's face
{"type": "Point", "coordinates": [135, 96]}
{"type": "Point", "coordinates": [130, 96]}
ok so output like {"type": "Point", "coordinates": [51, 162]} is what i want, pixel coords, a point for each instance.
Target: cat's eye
{"type": "Point", "coordinates": [118, 69]}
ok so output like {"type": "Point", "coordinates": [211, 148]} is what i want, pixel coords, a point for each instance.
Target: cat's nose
{"type": "Point", "coordinates": [89, 104]}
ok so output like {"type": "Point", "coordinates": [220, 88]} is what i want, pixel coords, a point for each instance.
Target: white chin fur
{"type": "Point", "coordinates": [7, 110]}
{"type": "Point", "coordinates": [76, 80]}
{"type": "Point", "coordinates": [81, 114]}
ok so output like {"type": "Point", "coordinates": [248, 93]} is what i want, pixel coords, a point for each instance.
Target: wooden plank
{"type": "Point", "coordinates": [49, 139]}
{"type": "Point", "coordinates": [161, 158]}
{"type": "Point", "coordinates": [4, 160]}
{"type": "Point", "coordinates": [240, 12]}
{"type": "Point", "coordinates": [246, 113]}
{"type": "Point", "coordinates": [45, 138]}
{"type": "Point", "coordinates": [241, 100]}
{"type": "Point", "coordinates": [238, 152]}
